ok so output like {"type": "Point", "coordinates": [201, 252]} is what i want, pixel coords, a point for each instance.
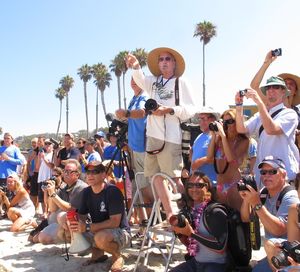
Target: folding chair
{"type": "Point", "coordinates": [156, 227]}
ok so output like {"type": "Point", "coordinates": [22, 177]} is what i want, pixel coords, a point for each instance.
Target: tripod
{"type": "Point", "coordinates": [123, 162]}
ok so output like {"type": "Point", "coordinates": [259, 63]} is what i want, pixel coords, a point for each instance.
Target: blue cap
{"type": "Point", "coordinates": [100, 134]}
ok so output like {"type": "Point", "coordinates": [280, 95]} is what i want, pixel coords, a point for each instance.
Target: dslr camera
{"type": "Point", "coordinates": [213, 126]}
{"type": "Point", "coordinates": [117, 127]}
{"type": "Point", "coordinates": [151, 105]}
{"type": "Point", "coordinates": [246, 180]}
{"type": "Point", "coordinates": [277, 52]}
{"type": "Point", "coordinates": [179, 219]}
{"type": "Point", "coordinates": [291, 249]}
{"type": "Point", "coordinates": [55, 143]}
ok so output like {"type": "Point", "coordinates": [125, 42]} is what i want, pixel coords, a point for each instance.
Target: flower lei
{"type": "Point", "coordinates": [193, 245]}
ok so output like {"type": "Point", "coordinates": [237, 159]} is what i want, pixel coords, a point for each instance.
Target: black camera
{"type": "Point", "coordinates": [213, 126]}
{"type": "Point", "coordinates": [277, 52]}
{"type": "Point", "coordinates": [117, 127]}
{"type": "Point", "coordinates": [55, 143]}
{"type": "Point", "coordinates": [291, 249]}
{"type": "Point", "coordinates": [151, 105]}
{"type": "Point", "coordinates": [3, 189]}
{"type": "Point", "coordinates": [246, 180]}
{"type": "Point", "coordinates": [179, 219]}
{"type": "Point", "coordinates": [242, 92]}
{"type": "Point", "coordinates": [44, 184]}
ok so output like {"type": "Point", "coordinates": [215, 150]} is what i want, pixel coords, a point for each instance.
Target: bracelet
{"type": "Point", "coordinates": [238, 104]}
{"type": "Point", "coordinates": [127, 114]}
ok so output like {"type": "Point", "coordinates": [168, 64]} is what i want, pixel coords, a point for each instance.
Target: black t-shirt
{"type": "Point", "coordinates": [101, 206]}
{"type": "Point", "coordinates": [65, 154]}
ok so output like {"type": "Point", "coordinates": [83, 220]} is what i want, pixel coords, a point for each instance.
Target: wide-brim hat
{"type": "Point", "coordinates": [153, 61]}
{"type": "Point", "coordinates": [285, 76]}
{"type": "Point", "coordinates": [210, 110]}
{"type": "Point", "coordinates": [274, 81]}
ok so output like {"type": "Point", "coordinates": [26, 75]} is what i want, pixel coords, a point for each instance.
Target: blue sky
{"type": "Point", "coordinates": [43, 41]}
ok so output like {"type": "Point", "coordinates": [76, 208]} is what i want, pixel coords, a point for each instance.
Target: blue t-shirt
{"type": "Point", "coordinates": [108, 154]}
{"type": "Point", "coordinates": [137, 127]}
{"type": "Point", "coordinates": [199, 148]}
{"type": "Point", "coordinates": [10, 166]}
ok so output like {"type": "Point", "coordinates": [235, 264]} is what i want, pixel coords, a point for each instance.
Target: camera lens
{"type": "Point", "coordinates": [213, 126]}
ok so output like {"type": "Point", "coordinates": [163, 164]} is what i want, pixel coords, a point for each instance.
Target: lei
{"type": "Point", "coordinates": [193, 245]}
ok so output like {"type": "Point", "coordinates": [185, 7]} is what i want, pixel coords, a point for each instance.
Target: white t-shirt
{"type": "Point", "coordinates": [163, 91]}
{"type": "Point", "coordinates": [44, 171]}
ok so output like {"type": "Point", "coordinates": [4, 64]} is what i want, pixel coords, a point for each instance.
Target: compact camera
{"type": "Point", "coordinates": [151, 105]}
{"type": "Point", "coordinates": [291, 249]}
{"type": "Point", "coordinates": [277, 52]}
{"type": "Point", "coordinates": [242, 92]}
{"type": "Point", "coordinates": [246, 180]}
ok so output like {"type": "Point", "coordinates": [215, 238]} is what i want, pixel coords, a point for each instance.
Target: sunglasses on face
{"type": "Point", "coordinates": [160, 59]}
{"type": "Point", "coordinates": [276, 87]}
{"type": "Point", "coordinates": [269, 172]}
{"type": "Point", "coordinates": [92, 172]}
{"type": "Point", "coordinates": [68, 172]}
{"type": "Point", "coordinates": [229, 122]}
{"type": "Point", "coordinates": [196, 185]}
{"type": "Point", "coordinates": [47, 143]}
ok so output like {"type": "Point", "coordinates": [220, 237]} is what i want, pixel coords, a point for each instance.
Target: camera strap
{"type": "Point", "coordinates": [176, 91]}
{"type": "Point", "coordinates": [261, 129]}
{"type": "Point", "coordinates": [255, 237]}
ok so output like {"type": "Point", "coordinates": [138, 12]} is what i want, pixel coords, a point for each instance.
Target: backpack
{"type": "Point", "coordinates": [238, 241]}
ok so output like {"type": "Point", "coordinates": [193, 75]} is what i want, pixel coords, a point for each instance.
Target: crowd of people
{"type": "Point", "coordinates": [94, 176]}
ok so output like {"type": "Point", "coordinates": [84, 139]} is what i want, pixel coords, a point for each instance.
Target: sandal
{"type": "Point", "coordinates": [101, 259]}
{"type": "Point", "coordinates": [138, 235]}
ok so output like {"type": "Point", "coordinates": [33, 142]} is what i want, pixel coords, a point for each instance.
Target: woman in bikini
{"type": "Point", "coordinates": [228, 148]}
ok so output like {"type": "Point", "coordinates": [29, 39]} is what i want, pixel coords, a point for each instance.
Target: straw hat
{"type": "Point", "coordinates": [153, 61]}
{"type": "Point", "coordinates": [296, 99]}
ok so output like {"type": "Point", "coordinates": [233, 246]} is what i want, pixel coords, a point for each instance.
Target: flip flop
{"type": "Point", "coordinates": [101, 259]}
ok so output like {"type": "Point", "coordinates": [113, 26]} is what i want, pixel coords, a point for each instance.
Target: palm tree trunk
{"type": "Point", "coordinates": [86, 111]}
{"type": "Point", "coordinates": [59, 121]}
{"type": "Point", "coordinates": [119, 91]}
{"type": "Point", "coordinates": [67, 113]}
{"type": "Point", "coordinates": [97, 109]}
{"type": "Point", "coordinates": [203, 74]}
{"type": "Point", "coordinates": [103, 105]}
{"type": "Point", "coordinates": [124, 92]}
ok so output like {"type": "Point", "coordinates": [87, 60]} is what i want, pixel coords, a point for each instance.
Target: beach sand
{"type": "Point", "coordinates": [18, 255]}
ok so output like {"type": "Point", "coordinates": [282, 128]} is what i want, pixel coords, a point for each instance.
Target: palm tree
{"type": "Point", "coordinates": [60, 94]}
{"type": "Point", "coordinates": [123, 67]}
{"type": "Point", "coordinates": [115, 67]}
{"type": "Point", "coordinates": [141, 55]}
{"type": "Point", "coordinates": [102, 80]}
{"type": "Point", "coordinates": [67, 83]}
{"type": "Point", "coordinates": [85, 73]}
{"type": "Point", "coordinates": [206, 31]}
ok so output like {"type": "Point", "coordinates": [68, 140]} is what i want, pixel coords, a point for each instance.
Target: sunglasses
{"type": "Point", "coordinates": [196, 185]}
{"type": "Point", "coordinates": [79, 142]}
{"type": "Point", "coordinates": [229, 121]}
{"type": "Point", "coordinates": [47, 143]}
{"type": "Point", "coordinates": [68, 172]}
{"type": "Point", "coordinates": [269, 172]}
{"type": "Point", "coordinates": [92, 172]}
{"type": "Point", "coordinates": [276, 87]}
{"type": "Point", "coordinates": [160, 59]}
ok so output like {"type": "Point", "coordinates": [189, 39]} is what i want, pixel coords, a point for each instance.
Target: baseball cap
{"type": "Point", "coordinates": [70, 135]}
{"type": "Point", "coordinates": [272, 161]}
{"type": "Point", "coordinates": [99, 134]}
{"type": "Point", "coordinates": [95, 165]}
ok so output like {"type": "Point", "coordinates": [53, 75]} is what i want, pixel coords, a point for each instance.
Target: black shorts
{"type": "Point", "coordinates": [34, 185]}
{"type": "Point", "coordinates": [40, 192]}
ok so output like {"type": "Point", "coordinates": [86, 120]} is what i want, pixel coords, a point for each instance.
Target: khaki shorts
{"type": "Point", "coordinates": [168, 161]}
{"type": "Point", "coordinates": [138, 159]}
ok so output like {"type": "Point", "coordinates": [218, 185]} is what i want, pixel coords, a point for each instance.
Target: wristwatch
{"type": "Point", "coordinates": [172, 112]}
{"type": "Point", "coordinates": [53, 195]}
{"type": "Point", "coordinates": [257, 207]}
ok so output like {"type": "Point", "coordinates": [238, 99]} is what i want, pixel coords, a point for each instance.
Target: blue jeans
{"type": "Point", "coordinates": [193, 266]}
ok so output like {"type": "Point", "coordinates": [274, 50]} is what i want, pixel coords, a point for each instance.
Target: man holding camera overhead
{"type": "Point", "coordinates": [274, 126]}
{"type": "Point", "coordinates": [175, 103]}
{"type": "Point", "coordinates": [270, 206]}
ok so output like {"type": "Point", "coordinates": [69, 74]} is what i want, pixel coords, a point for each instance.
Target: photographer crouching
{"type": "Point", "coordinates": [206, 240]}
{"type": "Point", "coordinates": [271, 205]}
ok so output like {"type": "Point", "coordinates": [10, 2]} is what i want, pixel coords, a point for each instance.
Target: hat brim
{"type": "Point", "coordinates": [214, 113]}
{"type": "Point", "coordinates": [153, 61]}
{"type": "Point", "coordinates": [296, 99]}
{"type": "Point", "coordinates": [263, 88]}
{"type": "Point", "coordinates": [271, 163]}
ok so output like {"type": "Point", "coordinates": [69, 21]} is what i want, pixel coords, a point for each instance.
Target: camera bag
{"type": "Point", "coordinates": [238, 241]}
